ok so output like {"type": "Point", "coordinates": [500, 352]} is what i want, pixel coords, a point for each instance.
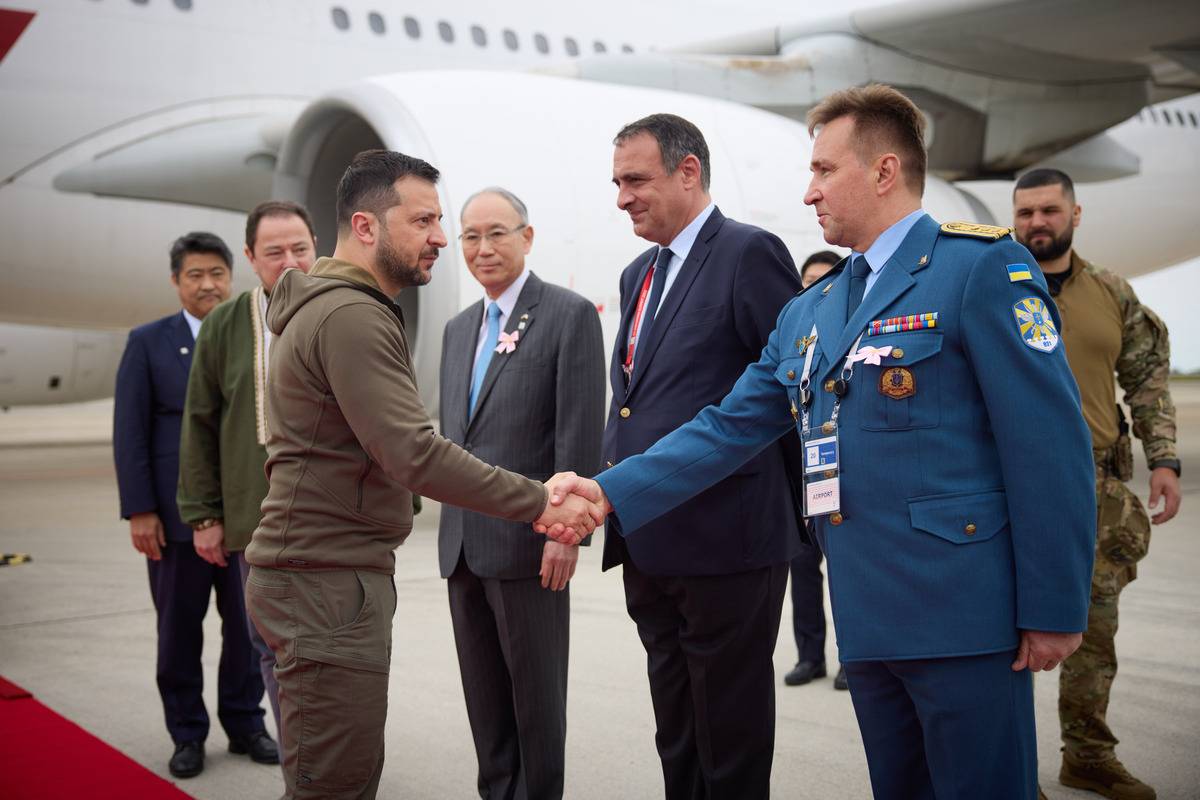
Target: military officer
{"type": "Point", "coordinates": [935, 406]}
{"type": "Point", "coordinates": [1105, 330]}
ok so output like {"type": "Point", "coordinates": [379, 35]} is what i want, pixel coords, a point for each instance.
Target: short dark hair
{"type": "Point", "coordinates": [884, 121]}
{"type": "Point", "coordinates": [198, 242]}
{"type": "Point", "coordinates": [275, 208]}
{"type": "Point", "coordinates": [820, 257]}
{"type": "Point", "coordinates": [677, 139]}
{"type": "Point", "coordinates": [368, 184]}
{"type": "Point", "coordinates": [1046, 176]}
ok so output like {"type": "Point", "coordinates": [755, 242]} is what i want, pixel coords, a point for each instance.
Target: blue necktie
{"type": "Point", "coordinates": [859, 270]}
{"type": "Point", "coordinates": [657, 283]}
{"type": "Point", "coordinates": [485, 356]}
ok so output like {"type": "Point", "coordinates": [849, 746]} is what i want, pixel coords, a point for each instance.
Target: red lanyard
{"type": "Point", "coordinates": [636, 325]}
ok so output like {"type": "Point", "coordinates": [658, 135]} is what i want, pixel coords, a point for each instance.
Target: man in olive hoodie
{"type": "Point", "coordinates": [349, 441]}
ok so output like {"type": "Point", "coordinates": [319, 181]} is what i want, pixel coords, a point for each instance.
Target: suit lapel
{"type": "Point", "coordinates": [181, 341]}
{"type": "Point", "coordinates": [617, 376]}
{"type": "Point", "coordinates": [461, 346]}
{"type": "Point", "coordinates": [521, 319]}
{"type": "Point", "coordinates": [894, 280]}
{"type": "Point", "coordinates": [672, 300]}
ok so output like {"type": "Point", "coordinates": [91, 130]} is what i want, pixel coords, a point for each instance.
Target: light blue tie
{"type": "Point", "coordinates": [489, 349]}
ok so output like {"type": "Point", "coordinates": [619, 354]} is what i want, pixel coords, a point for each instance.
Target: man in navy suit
{"type": "Point", "coordinates": [704, 583]}
{"type": "Point", "coordinates": [947, 465]}
{"type": "Point", "coordinates": [151, 387]}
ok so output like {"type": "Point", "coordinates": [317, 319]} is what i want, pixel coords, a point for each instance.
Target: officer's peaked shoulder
{"type": "Point", "coordinates": [974, 230]}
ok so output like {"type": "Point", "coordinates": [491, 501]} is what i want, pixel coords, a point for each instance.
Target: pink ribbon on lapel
{"type": "Point", "coordinates": [871, 355]}
{"type": "Point", "coordinates": [508, 342]}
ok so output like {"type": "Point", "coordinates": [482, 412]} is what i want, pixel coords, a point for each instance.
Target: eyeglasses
{"type": "Point", "coordinates": [471, 240]}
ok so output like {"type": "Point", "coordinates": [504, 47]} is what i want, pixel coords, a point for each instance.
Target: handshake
{"type": "Point", "coordinates": [575, 507]}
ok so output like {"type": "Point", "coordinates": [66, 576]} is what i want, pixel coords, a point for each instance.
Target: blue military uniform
{"type": "Point", "coordinates": [967, 506]}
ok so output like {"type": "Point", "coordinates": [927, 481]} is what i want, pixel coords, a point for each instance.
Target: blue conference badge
{"type": "Point", "coordinates": [1036, 325]}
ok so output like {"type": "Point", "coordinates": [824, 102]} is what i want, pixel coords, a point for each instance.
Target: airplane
{"type": "Point", "coordinates": [130, 122]}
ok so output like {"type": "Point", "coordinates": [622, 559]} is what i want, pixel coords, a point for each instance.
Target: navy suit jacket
{"type": "Point", "coordinates": [713, 322]}
{"type": "Point", "coordinates": [151, 388]}
{"type": "Point", "coordinates": [967, 484]}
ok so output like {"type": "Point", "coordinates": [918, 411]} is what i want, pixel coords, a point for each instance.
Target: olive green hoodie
{"type": "Point", "coordinates": [349, 438]}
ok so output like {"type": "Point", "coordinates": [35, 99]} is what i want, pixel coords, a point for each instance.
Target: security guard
{"type": "Point", "coordinates": [1105, 331]}
{"type": "Point", "coordinates": [936, 410]}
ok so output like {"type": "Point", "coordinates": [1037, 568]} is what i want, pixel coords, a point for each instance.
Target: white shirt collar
{"type": "Point", "coordinates": [193, 322]}
{"type": "Point", "coordinates": [508, 300]}
{"type": "Point", "coordinates": [681, 245]}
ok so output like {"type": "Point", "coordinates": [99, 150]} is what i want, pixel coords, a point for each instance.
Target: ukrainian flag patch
{"type": "Point", "coordinates": [1019, 272]}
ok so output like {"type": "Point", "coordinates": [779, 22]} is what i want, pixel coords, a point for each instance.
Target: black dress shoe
{"type": "Point", "coordinates": [839, 682]}
{"type": "Point", "coordinates": [188, 761]}
{"type": "Point", "coordinates": [804, 671]}
{"type": "Point", "coordinates": [260, 746]}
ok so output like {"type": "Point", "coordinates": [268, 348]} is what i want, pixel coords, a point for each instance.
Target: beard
{"type": "Point", "coordinates": [393, 265]}
{"type": "Point", "coordinates": [1057, 246]}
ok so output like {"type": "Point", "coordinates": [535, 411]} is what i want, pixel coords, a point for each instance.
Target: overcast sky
{"type": "Point", "coordinates": [1174, 293]}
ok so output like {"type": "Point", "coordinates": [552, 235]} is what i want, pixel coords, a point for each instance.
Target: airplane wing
{"type": "Point", "coordinates": [1004, 83]}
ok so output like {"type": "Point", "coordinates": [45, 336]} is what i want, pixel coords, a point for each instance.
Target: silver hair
{"type": "Point", "coordinates": [512, 199]}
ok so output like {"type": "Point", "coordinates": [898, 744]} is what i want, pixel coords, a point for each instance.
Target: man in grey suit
{"type": "Point", "coordinates": [522, 387]}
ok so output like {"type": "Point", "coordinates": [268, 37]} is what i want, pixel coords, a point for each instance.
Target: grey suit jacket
{"type": "Point", "coordinates": [540, 411]}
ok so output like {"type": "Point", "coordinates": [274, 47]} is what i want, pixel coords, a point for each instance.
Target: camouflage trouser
{"type": "Point", "coordinates": [1085, 679]}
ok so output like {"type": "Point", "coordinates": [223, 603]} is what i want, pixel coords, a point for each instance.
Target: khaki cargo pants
{"type": "Point", "coordinates": [331, 632]}
{"type": "Point", "coordinates": [1085, 680]}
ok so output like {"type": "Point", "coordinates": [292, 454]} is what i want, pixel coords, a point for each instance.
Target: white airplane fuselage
{"type": "Point", "coordinates": [102, 101]}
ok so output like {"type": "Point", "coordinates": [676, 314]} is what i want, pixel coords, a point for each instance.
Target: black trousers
{"type": "Point", "coordinates": [808, 604]}
{"type": "Point", "coordinates": [709, 642]}
{"type": "Point", "coordinates": [181, 584]}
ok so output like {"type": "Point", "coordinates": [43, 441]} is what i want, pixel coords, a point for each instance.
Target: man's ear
{"type": "Point", "coordinates": [887, 173]}
{"type": "Point", "coordinates": [690, 167]}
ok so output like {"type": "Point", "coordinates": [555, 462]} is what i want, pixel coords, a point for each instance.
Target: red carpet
{"type": "Point", "coordinates": [44, 756]}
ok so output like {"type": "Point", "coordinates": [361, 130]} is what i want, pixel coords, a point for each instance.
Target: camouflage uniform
{"type": "Point", "coordinates": [1122, 525]}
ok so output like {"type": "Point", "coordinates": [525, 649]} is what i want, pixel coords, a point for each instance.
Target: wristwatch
{"type": "Point", "coordinates": [206, 523]}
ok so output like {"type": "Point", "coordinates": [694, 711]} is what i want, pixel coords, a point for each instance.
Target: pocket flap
{"type": "Point", "coordinates": [907, 348]}
{"type": "Point", "coordinates": [790, 371]}
{"type": "Point", "coordinates": [961, 519]}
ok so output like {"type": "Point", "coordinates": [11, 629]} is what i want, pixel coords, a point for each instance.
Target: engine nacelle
{"type": "Point", "coordinates": [549, 140]}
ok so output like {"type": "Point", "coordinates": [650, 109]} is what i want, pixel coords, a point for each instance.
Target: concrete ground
{"type": "Point", "coordinates": [77, 629]}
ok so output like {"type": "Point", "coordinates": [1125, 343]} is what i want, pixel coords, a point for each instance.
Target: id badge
{"type": "Point", "coordinates": [822, 491]}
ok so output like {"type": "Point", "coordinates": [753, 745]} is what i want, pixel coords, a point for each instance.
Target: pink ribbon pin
{"type": "Point", "coordinates": [508, 342]}
{"type": "Point", "coordinates": [871, 355]}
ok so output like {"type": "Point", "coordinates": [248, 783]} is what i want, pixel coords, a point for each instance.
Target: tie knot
{"type": "Point", "coordinates": [859, 268]}
{"type": "Point", "coordinates": [664, 258]}
{"type": "Point", "coordinates": [493, 310]}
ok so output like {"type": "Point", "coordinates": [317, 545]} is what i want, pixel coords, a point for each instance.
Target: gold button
{"type": "Point", "coordinates": [625, 412]}
{"type": "Point", "coordinates": [791, 374]}
{"type": "Point", "coordinates": [609, 464]}
{"type": "Point", "coordinates": [829, 385]}
{"type": "Point", "coordinates": [897, 352]}
{"type": "Point", "coordinates": [835, 518]}
{"type": "Point", "coordinates": [970, 529]}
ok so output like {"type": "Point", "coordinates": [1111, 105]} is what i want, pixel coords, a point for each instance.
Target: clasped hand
{"type": "Point", "coordinates": [576, 506]}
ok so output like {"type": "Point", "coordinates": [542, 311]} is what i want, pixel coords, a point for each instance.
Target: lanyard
{"type": "Point", "coordinates": [806, 381]}
{"type": "Point", "coordinates": [635, 326]}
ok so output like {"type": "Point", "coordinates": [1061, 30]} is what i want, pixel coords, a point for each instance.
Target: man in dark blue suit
{"type": "Point", "coordinates": [704, 583]}
{"type": "Point", "coordinates": [948, 468]}
{"type": "Point", "coordinates": [151, 387]}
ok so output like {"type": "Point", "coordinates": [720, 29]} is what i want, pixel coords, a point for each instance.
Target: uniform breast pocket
{"type": "Point", "coordinates": [902, 392]}
{"type": "Point", "coordinates": [789, 373]}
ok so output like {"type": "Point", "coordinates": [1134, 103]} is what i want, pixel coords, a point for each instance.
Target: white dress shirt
{"type": "Point", "coordinates": [507, 302]}
{"type": "Point", "coordinates": [680, 246]}
{"type": "Point", "coordinates": [194, 323]}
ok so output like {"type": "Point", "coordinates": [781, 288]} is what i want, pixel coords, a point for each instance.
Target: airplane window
{"type": "Point", "coordinates": [572, 47]}
{"type": "Point", "coordinates": [376, 22]}
{"type": "Point", "coordinates": [626, 48]}
{"type": "Point", "coordinates": [412, 28]}
{"type": "Point", "coordinates": [140, 2]}
{"type": "Point", "coordinates": [1179, 116]}
{"type": "Point", "coordinates": [541, 43]}
{"type": "Point", "coordinates": [479, 35]}
{"type": "Point", "coordinates": [341, 20]}
{"type": "Point", "coordinates": [183, 5]}
{"type": "Point", "coordinates": [446, 32]}
{"type": "Point", "coordinates": [1192, 116]}
{"type": "Point", "coordinates": [599, 47]}
{"type": "Point", "coordinates": [510, 39]}
{"type": "Point", "coordinates": [1166, 116]}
